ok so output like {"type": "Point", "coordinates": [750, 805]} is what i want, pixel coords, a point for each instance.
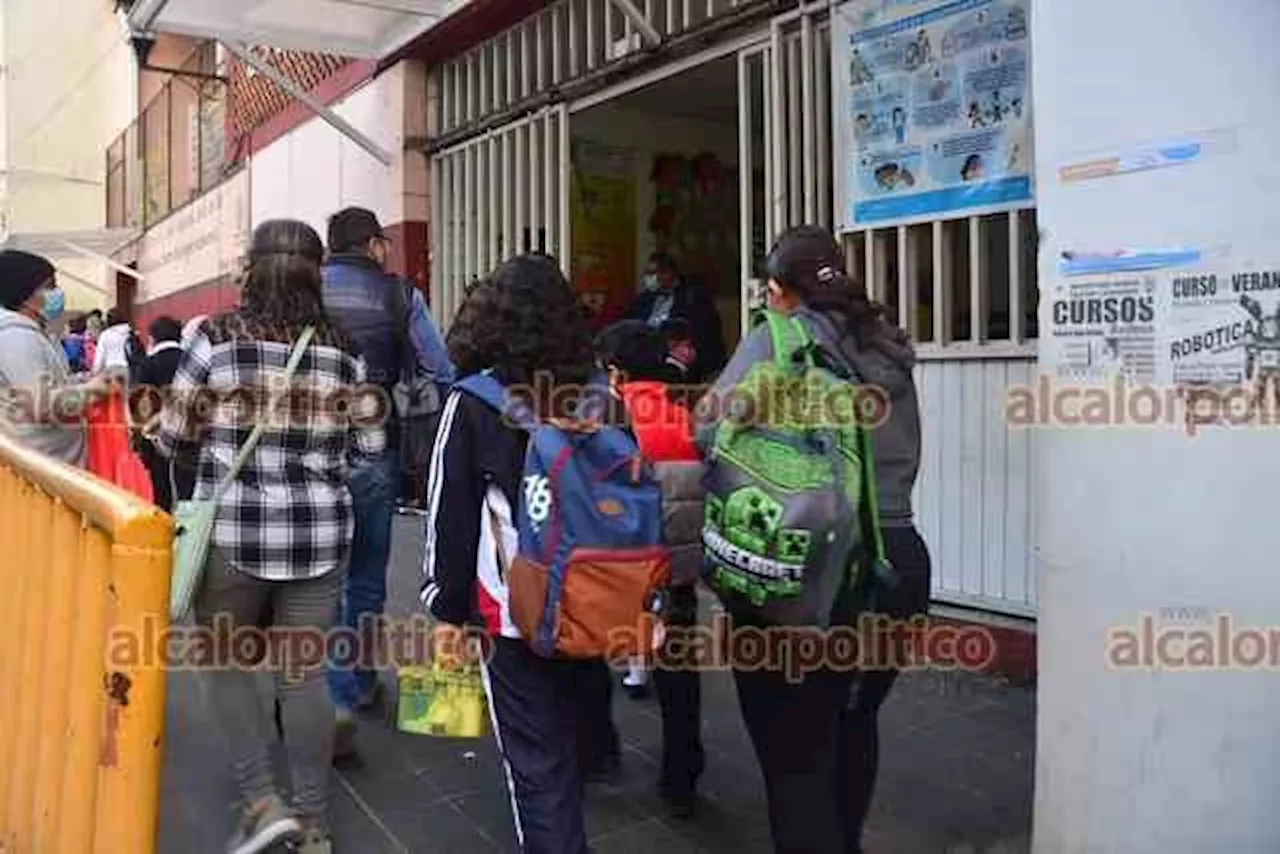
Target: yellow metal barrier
{"type": "Point", "coordinates": [84, 574]}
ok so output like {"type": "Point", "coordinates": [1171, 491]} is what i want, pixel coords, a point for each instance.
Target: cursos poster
{"type": "Point", "coordinates": [933, 108]}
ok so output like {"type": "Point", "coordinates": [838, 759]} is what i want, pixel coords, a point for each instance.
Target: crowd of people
{"type": "Point", "coordinates": [303, 533]}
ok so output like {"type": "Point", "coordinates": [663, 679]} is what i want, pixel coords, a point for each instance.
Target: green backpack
{"type": "Point", "coordinates": [791, 512]}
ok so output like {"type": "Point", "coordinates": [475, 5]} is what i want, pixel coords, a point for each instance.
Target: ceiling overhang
{"type": "Point", "coordinates": [64, 245]}
{"type": "Point", "coordinates": [362, 29]}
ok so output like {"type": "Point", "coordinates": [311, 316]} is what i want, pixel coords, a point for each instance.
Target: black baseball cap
{"type": "Point", "coordinates": [351, 229]}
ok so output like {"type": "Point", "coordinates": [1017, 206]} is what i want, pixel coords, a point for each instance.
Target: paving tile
{"type": "Point", "coordinates": [439, 829]}
{"type": "Point", "coordinates": [957, 769]}
{"type": "Point", "coordinates": [644, 838]}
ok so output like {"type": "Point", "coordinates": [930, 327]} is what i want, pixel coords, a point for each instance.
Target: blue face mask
{"type": "Point", "coordinates": [55, 303]}
{"type": "Point", "coordinates": [651, 282]}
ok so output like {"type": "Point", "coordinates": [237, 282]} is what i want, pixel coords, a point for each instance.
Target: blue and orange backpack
{"type": "Point", "coordinates": [592, 567]}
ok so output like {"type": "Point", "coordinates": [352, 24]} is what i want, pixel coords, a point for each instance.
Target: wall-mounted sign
{"type": "Point", "coordinates": [201, 242]}
{"type": "Point", "coordinates": [932, 109]}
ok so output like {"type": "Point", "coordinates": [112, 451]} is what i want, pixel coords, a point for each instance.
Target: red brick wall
{"type": "Point", "coordinates": [261, 112]}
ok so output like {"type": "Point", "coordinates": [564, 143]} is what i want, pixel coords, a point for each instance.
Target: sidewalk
{"type": "Point", "coordinates": [956, 774]}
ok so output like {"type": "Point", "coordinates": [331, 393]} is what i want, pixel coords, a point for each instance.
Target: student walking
{"type": "Point", "coordinates": [815, 772]}
{"type": "Point", "coordinates": [646, 378]}
{"type": "Point", "coordinates": [171, 481]}
{"type": "Point", "coordinates": [283, 536]}
{"type": "Point", "coordinates": [523, 324]}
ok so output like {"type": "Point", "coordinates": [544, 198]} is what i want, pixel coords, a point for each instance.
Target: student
{"type": "Point", "coordinates": [171, 481]}
{"type": "Point", "coordinates": [525, 324]}
{"type": "Point", "coordinates": [113, 346]}
{"type": "Point", "coordinates": [816, 744]}
{"type": "Point", "coordinates": [641, 370]}
{"type": "Point", "coordinates": [282, 538]}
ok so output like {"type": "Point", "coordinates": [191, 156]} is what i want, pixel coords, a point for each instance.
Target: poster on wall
{"type": "Point", "coordinates": [1223, 327]}
{"type": "Point", "coordinates": [932, 108]}
{"type": "Point", "coordinates": [1103, 327]}
{"type": "Point", "coordinates": [603, 214]}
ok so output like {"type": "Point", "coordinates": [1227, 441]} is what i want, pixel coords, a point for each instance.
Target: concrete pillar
{"type": "Point", "coordinates": [1136, 519]}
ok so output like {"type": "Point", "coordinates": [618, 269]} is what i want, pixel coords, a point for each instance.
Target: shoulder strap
{"type": "Point", "coordinates": [487, 388]}
{"type": "Point", "coordinates": [790, 336]}
{"type": "Point", "coordinates": [242, 456]}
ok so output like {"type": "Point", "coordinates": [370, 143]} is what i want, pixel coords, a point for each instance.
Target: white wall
{"type": "Point", "coordinates": [314, 170]}
{"type": "Point", "coordinates": [1137, 520]}
{"type": "Point", "coordinates": [69, 90]}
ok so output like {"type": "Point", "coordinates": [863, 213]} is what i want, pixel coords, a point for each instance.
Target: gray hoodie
{"type": "Point", "coordinates": [31, 367]}
{"type": "Point", "coordinates": [886, 362]}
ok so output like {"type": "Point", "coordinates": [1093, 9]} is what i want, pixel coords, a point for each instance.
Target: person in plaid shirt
{"type": "Point", "coordinates": [284, 527]}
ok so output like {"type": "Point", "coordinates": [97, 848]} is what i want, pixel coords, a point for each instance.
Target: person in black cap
{"type": "Point", "coordinates": [387, 319]}
{"type": "Point", "coordinates": [39, 405]}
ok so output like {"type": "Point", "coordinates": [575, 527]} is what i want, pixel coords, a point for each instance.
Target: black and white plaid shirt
{"type": "Point", "coordinates": [288, 515]}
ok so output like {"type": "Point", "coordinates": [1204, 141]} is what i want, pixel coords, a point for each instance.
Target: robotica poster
{"type": "Point", "coordinates": [1223, 326]}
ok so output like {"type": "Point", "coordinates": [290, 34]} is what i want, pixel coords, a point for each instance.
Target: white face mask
{"type": "Point", "coordinates": [651, 282]}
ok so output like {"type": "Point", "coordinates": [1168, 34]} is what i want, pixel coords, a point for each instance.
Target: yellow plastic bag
{"type": "Point", "coordinates": [443, 703]}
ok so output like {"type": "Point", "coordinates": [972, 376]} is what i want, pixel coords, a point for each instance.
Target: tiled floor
{"type": "Point", "coordinates": [956, 775]}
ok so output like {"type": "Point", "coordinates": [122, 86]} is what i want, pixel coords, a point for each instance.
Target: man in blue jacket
{"type": "Point", "coordinates": [388, 321]}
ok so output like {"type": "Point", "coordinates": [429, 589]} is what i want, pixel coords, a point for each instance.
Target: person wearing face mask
{"type": "Point", "coordinates": [669, 298]}
{"type": "Point", "coordinates": [39, 404]}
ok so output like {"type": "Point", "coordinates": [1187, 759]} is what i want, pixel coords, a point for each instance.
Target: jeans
{"type": "Point", "coordinates": [373, 498]}
{"type": "Point", "coordinates": [305, 709]}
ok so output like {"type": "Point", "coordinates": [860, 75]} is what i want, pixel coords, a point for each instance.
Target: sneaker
{"type": "Point", "coordinates": [264, 824]}
{"type": "Point", "coordinates": [344, 736]}
{"type": "Point", "coordinates": [315, 842]}
{"type": "Point", "coordinates": [636, 682]}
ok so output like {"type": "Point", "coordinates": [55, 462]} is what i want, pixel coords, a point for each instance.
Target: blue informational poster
{"type": "Point", "coordinates": [933, 108]}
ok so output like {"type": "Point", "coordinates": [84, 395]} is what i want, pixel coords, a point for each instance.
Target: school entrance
{"type": "Point", "coordinates": [599, 131]}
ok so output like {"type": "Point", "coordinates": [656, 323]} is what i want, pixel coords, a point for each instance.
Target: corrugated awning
{"type": "Point", "coordinates": [365, 29]}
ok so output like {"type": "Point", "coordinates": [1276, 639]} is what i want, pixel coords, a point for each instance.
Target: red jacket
{"type": "Point", "coordinates": [663, 427]}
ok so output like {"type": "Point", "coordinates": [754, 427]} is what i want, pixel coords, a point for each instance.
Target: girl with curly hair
{"type": "Point", "coordinates": [524, 324]}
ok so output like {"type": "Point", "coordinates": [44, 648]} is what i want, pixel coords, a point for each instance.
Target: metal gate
{"type": "Point", "coordinates": [496, 196]}
{"type": "Point", "coordinates": [965, 289]}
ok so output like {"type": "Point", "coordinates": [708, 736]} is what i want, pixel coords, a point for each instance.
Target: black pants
{"type": "Point", "coordinates": [860, 729]}
{"type": "Point", "coordinates": [794, 728]}
{"type": "Point", "coordinates": [539, 706]}
{"type": "Point", "coordinates": [679, 686]}
{"type": "Point", "coordinates": [599, 746]}
{"type": "Point", "coordinates": [183, 478]}
{"type": "Point", "coordinates": [816, 739]}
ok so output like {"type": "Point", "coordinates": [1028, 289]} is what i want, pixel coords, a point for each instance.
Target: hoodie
{"type": "Point", "coordinates": [31, 367]}
{"type": "Point", "coordinates": [887, 362]}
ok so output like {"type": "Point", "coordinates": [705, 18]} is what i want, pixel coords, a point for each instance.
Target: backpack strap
{"type": "Point", "coordinates": [487, 388]}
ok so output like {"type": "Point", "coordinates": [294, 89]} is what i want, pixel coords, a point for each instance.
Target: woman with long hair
{"type": "Point", "coordinates": [283, 533]}
{"type": "Point", "coordinates": [525, 326]}
{"type": "Point", "coordinates": [817, 740]}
